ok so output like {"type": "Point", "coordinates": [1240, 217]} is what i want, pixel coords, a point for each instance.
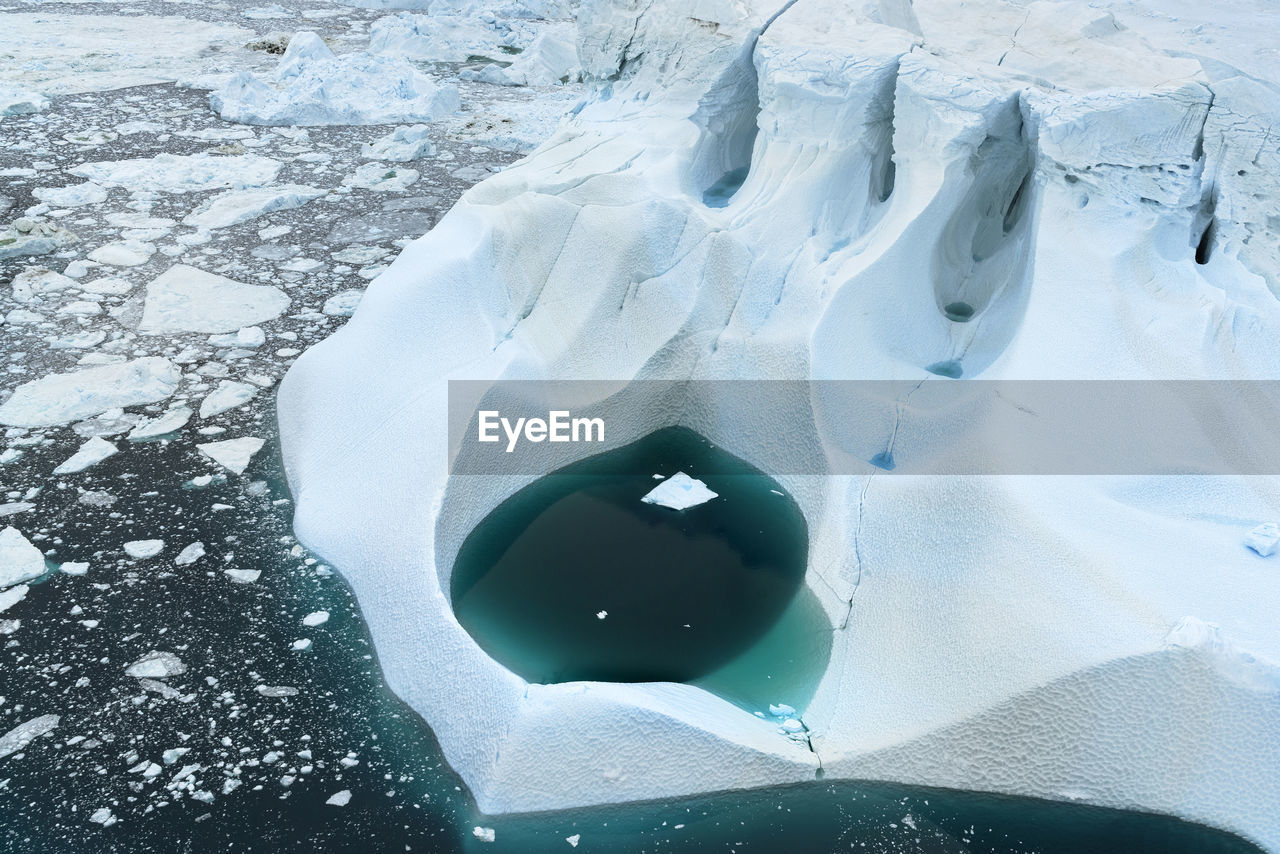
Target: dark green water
{"type": "Point", "coordinates": [575, 577]}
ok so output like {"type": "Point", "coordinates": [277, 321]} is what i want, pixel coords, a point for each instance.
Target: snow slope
{"type": "Point", "coordinates": [1029, 192]}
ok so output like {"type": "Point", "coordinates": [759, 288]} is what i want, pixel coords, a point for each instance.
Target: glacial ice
{"type": "Point", "coordinates": [551, 58]}
{"type": "Point", "coordinates": [402, 145]}
{"type": "Point", "coordinates": [181, 173]}
{"type": "Point", "coordinates": [156, 665]}
{"type": "Point", "coordinates": [679, 492]}
{"type": "Point", "coordinates": [232, 454]}
{"type": "Point", "coordinates": [228, 395]}
{"type": "Point", "coordinates": [315, 87]}
{"type": "Point", "coordinates": [24, 733]}
{"type": "Point", "coordinates": [839, 190]}
{"type": "Point", "coordinates": [143, 549]}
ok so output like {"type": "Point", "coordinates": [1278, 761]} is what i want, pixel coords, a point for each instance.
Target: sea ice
{"type": "Point", "coordinates": [228, 395]}
{"type": "Point", "coordinates": [123, 253]}
{"type": "Point", "coordinates": [376, 176]}
{"type": "Point", "coordinates": [10, 596]}
{"type": "Point", "coordinates": [679, 492]}
{"type": "Point", "coordinates": [143, 549]}
{"type": "Point", "coordinates": [24, 733]}
{"type": "Point", "coordinates": [236, 206]}
{"type": "Point", "coordinates": [72, 195]}
{"type": "Point", "coordinates": [167, 422]}
{"type": "Point", "coordinates": [232, 454]}
{"type": "Point", "coordinates": [484, 834]}
{"type": "Point", "coordinates": [342, 304]}
{"type": "Point", "coordinates": [25, 236]}
{"type": "Point", "coordinates": [400, 146]}
{"type": "Point", "coordinates": [339, 799]}
{"type": "Point", "coordinates": [73, 567]}
{"type": "Point", "coordinates": [185, 299]}
{"type": "Point", "coordinates": [156, 665]}
{"type": "Point", "coordinates": [90, 453]}
{"type": "Point", "coordinates": [316, 618]}
{"type": "Point", "coordinates": [243, 576]}
{"type": "Point", "coordinates": [63, 398]}
{"type": "Point", "coordinates": [190, 554]}
{"type": "Point", "coordinates": [318, 88]}
{"type": "Point", "coordinates": [182, 173]}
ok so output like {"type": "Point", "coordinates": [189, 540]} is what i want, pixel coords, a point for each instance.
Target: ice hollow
{"type": "Point", "coordinates": [842, 190]}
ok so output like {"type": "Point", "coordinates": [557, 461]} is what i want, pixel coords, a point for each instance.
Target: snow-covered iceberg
{"type": "Point", "coordinates": [832, 189]}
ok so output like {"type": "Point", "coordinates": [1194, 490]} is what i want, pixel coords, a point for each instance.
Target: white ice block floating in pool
{"type": "Point", "coordinates": [679, 492]}
{"type": "Point", "coordinates": [1264, 538]}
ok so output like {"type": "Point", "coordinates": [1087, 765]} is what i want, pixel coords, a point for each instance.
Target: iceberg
{"type": "Point", "coordinates": [846, 190]}
{"type": "Point", "coordinates": [679, 492]}
{"type": "Point", "coordinates": [315, 87]}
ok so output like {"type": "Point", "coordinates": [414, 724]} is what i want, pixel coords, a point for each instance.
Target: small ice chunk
{"type": "Point", "coordinates": [249, 337]}
{"type": "Point", "coordinates": [20, 561]}
{"type": "Point", "coordinates": [781, 710]}
{"type": "Point", "coordinates": [400, 146]}
{"type": "Point", "coordinates": [91, 453]}
{"type": "Point", "coordinates": [233, 207]}
{"type": "Point", "coordinates": [339, 799]}
{"type": "Point", "coordinates": [1264, 538]}
{"type": "Point", "coordinates": [232, 454]}
{"type": "Point", "coordinates": [156, 665]}
{"type": "Point", "coordinates": [243, 576]}
{"type": "Point", "coordinates": [302, 645]}
{"type": "Point", "coordinates": [277, 691]}
{"type": "Point", "coordinates": [75, 567]}
{"type": "Point", "coordinates": [190, 554]}
{"type": "Point", "coordinates": [792, 725]}
{"type": "Point", "coordinates": [573, 840]}
{"type": "Point", "coordinates": [24, 733]}
{"type": "Point", "coordinates": [143, 549]}
{"type": "Point", "coordinates": [103, 816]}
{"type": "Point", "coordinates": [679, 492]}
{"type": "Point", "coordinates": [316, 618]}
{"type": "Point", "coordinates": [600, 615]}
{"type": "Point", "coordinates": [228, 395]}
{"type": "Point", "coordinates": [379, 176]}
{"type": "Point", "coordinates": [484, 834]}
{"type": "Point", "coordinates": [71, 196]}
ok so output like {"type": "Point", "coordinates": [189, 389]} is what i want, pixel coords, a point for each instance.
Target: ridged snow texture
{"type": "Point", "coordinates": [838, 189]}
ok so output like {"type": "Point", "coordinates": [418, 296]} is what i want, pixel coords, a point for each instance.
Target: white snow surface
{"type": "Point", "coordinates": [315, 87]}
{"type": "Point", "coordinates": [1041, 162]}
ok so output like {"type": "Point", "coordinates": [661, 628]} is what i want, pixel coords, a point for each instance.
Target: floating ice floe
{"type": "Point", "coordinates": [679, 492]}
{"type": "Point", "coordinates": [24, 733]}
{"type": "Point", "coordinates": [185, 299]}
{"type": "Point", "coordinates": [228, 395]}
{"type": "Point", "coordinates": [38, 281]}
{"type": "Point", "coordinates": [68, 54]}
{"type": "Point", "coordinates": [243, 576]}
{"type": "Point", "coordinates": [72, 195]}
{"type": "Point", "coordinates": [377, 176]}
{"type": "Point", "coordinates": [143, 549]}
{"type": "Point", "coordinates": [237, 206]}
{"type": "Point", "coordinates": [318, 88]}
{"type": "Point", "coordinates": [74, 567]}
{"type": "Point", "coordinates": [316, 618]}
{"type": "Point", "coordinates": [181, 173]}
{"type": "Point", "coordinates": [400, 146]}
{"type": "Point", "coordinates": [232, 454]}
{"type": "Point", "coordinates": [11, 596]}
{"type": "Point", "coordinates": [248, 337]}
{"type": "Point", "coordinates": [123, 253]}
{"type": "Point", "coordinates": [190, 554]}
{"type": "Point", "coordinates": [156, 665]}
{"type": "Point", "coordinates": [63, 398]}
{"type": "Point", "coordinates": [1264, 538]}
{"type": "Point", "coordinates": [90, 453]}
{"type": "Point", "coordinates": [484, 834]}
{"type": "Point", "coordinates": [339, 799]}
{"type": "Point", "coordinates": [167, 422]}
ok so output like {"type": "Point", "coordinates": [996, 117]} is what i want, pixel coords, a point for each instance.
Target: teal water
{"type": "Point", "coordinates": [575, 577]}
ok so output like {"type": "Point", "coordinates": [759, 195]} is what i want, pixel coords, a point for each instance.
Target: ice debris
{"type": "Point", "coordinates": [90, 453]}
{"type": "Point", "coordinates": [339, 799]}
{"type": "Point", "coordinates": [24, 733]}
{"type": "Point", "coordinates": [156, 665]}
{"type": "Point", "coordinates": [1264, 538]}
{"type": "Point", "coordinates": [182, 173]}
{"type": "Point", "coordinates": [167, 422]}
{"type": "Point", "coordinates": [232, 454]}
{"type": "Point", "coordinates": [190, 554]}
{"type": "Point", "coordinates": [228, 395]}
{"type": "Point", "coordinates": [236, 206]}
{"type": "Point", "coordinates": [143, 549]}
{"type": "Point", "coordinates": [484, 834]}
{"type": "Point", "coordinates": [400, 146]}
{"type": "Point", "coordinates": [316, 618]}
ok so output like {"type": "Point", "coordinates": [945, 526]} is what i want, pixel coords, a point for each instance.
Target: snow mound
{"type": "Point", "coordinates": [840, 190]}
{"type": "Point", "coordinates": [318, 88]}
